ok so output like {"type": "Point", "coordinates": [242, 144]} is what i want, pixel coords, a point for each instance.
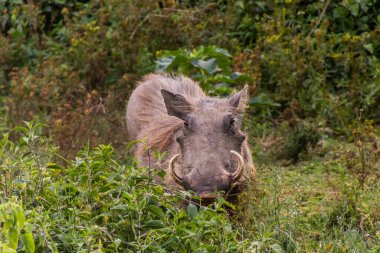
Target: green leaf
{"type": "Point", "coordinates": [121, 207]}
{"type": "Point", "coordinates": [161, 174]}
{"type": "Point", "coordinates": [182, 214]}
{"type": "Point", "coordinates": [21, 129]}
{"type": "Point", "coordinates": [216, 52]}
{"type": "Point", "coordinates": [369, 48]}
{"type": "Point", "coordinates": [210, 66]}
{"type": "Point", "coordinates": [19, 217]}
{"type": "Point", "coordinates": [54, 166]}
{"type": "Point", "coordinates": [154, 224]}
{"type": "Point", "coordinates": [28, 241]}
{"type": "Point", "coordinates": [156, 211]}
{"type": "Point", "coordinates": [354, 8]}
{"type": "Point", "coordinates": [163, 63]}
{"type": "Point", "coordinates": [192, 210]}
{"type": "Point", "coordinates": [241, 78]}
{"type": "Point", "coordinates": [84, 180]}
{"type": "Point", "coordinates": [95, 195]}
{"type": "Point", "coordinates": [276, 248]}
{"type": "Point", "coordinates": [240, 4]}
{"type": "Point", "coordinates": [13, 237]}
{"type": "Point", "coordinates": [230, 205]}
{"type": "Point", "coordinates": [117, 242]}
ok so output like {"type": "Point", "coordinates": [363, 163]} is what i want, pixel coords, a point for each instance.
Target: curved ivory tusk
{"type": "Point", "coordinates": [171, 169]}
{"type": "Point", "coordinates": [240, 169]}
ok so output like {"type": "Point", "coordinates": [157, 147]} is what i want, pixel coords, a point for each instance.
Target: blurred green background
{"type": "Point", "coordinates": [73, 64]}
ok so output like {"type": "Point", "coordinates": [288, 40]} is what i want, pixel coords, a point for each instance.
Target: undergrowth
{"type": "Point", "coordinates": [98, 204]}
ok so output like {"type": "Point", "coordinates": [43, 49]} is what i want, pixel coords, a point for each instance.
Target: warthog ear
{"type": "Point", "coordinates": [238, 100]}
{"type": "Point", "coordinates": [176, 104]}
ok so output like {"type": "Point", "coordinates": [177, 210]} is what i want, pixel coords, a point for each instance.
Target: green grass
{"type": "Point", "coordinates": [308, 208]}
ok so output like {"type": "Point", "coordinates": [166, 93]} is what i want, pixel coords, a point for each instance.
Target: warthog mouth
{"type": "Point", "coordinates": [209, 196]}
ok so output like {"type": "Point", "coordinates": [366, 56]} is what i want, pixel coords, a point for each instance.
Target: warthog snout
{"type": "Point", "coordinates": [206, 186]}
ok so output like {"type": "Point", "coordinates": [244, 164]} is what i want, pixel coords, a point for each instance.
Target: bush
{"type": "Point", "coordinates": [14, 227]}
{"type": "Point", "coordinates": [322, 55]}
{"type": "Point", "coordinates": [74, 63]}
{"type": "Point", "coordinates": [96, 203]}
{"type": "Point", "coordinates": [211, 66]}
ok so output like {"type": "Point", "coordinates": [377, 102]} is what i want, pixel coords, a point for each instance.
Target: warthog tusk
{"type": "Point", "coordinates": [171, 169]}
{"type": "Point", "coordinates": [240, 169]}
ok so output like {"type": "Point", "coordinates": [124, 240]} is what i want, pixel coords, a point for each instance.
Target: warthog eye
{"type": "Point", "coordinates": [187, 122]}
{"type": "Point", "coordinates": [229, 122]}
{"type": "Point", "coordinates": [179, 139]}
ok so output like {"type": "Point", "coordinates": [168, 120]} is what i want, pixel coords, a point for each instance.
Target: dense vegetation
{"type": "Point", "coordinates": [313, 70]}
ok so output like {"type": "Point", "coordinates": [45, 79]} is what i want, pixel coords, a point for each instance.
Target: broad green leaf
{"type": "Point", "coordinates": [192, 210]}
{"type": "Point", "coordinates": [54, 166]}
{"type": "Point", "coordinates": [216, 52]}
{"type": "Point", "coordinates": [20, 217]}
{"type": "Point", "coordinates": [28, 241]}
{"type": "Point", "coordinates": [121, 207]}
{"type": "Point", "coordinates": [240, 4]}
{"type": "Point", "coordinates": [354, 8]}
{"type": "Point", "coordinates": [369, 48]}
{"type": "Point", "coordinates": [13, 237]}
{"type": "Point", "coordinates": [182, 214]}
{"type": "Point", "coordinates": [95, 194]}
{"type": "Point", "coordinates": [211, 66]}
{"type": "Point", "coordinates": [276, 248]}
{"type": "Point", "coordinates": [117, 242]}
{"type": "Point", "coordinates": [241, 78]}
{"type": "Point", "coordinates": [163, 63]}
{"type": "Point", "coordinates": [171, 242]}
{"type": "Point", "coordinates": [156, 211]}
{"type": "Point", "coordinates": [84, 180]}
{"type": "Point", "coordinates": [154, 224]}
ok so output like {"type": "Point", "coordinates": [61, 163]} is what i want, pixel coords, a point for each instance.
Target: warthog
{"type": "Point", "coordinates": [206, 150]}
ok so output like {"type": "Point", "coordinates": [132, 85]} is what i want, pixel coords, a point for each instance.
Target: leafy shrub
{"type": "Point", "coordinates": [304, 137]}
{"type": "Point", "coordinates": [363, 160]}
{"type": "Point", "coordinates": [323, 55]}
{"type": "Point", "coordinates": [76, 62]}
{"type": "Point", "coordinates": [12, 218]}
{"type": "Point", "coordinates": [328, 62]}
{"type": "Point", "coordinates": [211, 66]}
{"type": "Point", "coordinates": [96, 203]}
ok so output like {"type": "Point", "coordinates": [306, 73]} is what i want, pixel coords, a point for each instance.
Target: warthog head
{"type": "Point", "coordinates": [210, 142]}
